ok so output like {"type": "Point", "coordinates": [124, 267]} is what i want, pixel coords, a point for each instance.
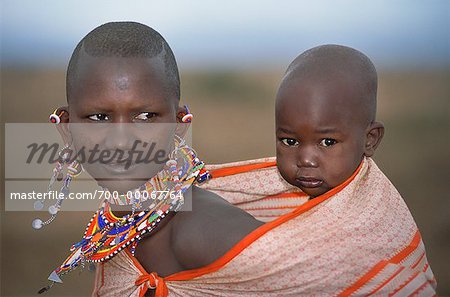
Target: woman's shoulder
{"type": "Point", "coordinates": [213, 226]}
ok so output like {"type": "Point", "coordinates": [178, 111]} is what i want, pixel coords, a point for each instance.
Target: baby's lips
{"type": "Point", "coordinates": [309, 182]}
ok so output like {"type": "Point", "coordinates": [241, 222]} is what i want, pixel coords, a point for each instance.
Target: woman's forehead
{"type": "Point", "coordinates": [112, 68]}
{"type": "Point", "coordinates": [109, 79]}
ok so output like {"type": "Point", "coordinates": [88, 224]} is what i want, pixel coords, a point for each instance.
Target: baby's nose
{"type": "Point", "coordinates": [307, 156]}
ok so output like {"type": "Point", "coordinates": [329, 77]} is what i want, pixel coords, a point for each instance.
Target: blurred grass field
{"type": "Point", "coordinates": [234, 120]}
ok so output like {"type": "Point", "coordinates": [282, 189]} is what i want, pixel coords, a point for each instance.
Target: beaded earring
{"type": "Point", "coordinates": [186, 117]}
{"type": "Point", "coordinates": [73, 170]}
{"type": "Point", "coordinates": [56, 118]}
{"type": "Point", "coordinates": [172, 164]}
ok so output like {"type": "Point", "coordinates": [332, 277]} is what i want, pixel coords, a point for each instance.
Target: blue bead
{"type": "Point", "coordinates": [65, 191]}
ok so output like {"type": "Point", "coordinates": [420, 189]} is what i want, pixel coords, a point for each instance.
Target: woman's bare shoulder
{"type": "Point", "coordinates": [209, 230]}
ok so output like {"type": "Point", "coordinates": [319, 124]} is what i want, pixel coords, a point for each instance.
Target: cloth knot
{"type": "Point", "coordinates": [152, 281]}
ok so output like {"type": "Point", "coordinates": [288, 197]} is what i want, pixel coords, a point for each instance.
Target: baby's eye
{"type": "Point", "coordinates": [326, 142]}
{"type": "Point", "coordinates": [145, 116]}
{"type": "Point", "coordinates": [99, 117]}
{"type": "Point", "coordinates": [289, 141]}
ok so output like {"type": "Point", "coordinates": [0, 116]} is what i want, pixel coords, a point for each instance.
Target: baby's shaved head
{"type": "Point", "coordinates": [327, 63]}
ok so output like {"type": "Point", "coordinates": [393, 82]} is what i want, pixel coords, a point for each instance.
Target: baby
{"type": "Point", "coordinates": [367, 241]}
{"type": "Point", "coordinates": [325, 118]}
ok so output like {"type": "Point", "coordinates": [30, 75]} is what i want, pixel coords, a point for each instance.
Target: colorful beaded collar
{"type": "Point", "coordinates": [106, 235]}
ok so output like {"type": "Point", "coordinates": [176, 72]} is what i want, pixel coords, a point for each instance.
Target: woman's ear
{"type": "Point", "coordinates": [182, 127]}
{"type": "Point", "coordinates": [374, 134]}
{"type": "Point", "coordinates": [63, 126]}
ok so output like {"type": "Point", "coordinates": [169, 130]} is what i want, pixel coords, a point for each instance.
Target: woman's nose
{"type": "Point", "coordinates": [120, 136]}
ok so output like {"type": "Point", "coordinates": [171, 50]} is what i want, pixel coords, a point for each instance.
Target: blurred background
{"type": "Point", "coordinates": [232, 55]}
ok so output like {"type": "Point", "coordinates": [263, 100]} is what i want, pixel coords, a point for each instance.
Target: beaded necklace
{"type": "Point", "coordinates": [106, 235]}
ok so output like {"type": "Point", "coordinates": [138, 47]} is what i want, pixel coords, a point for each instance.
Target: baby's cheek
{"type": "Point", "coordinates": [280, 165]}
{"type": "Point", "coordinates": [285, 167]}
{"type": "Point", "coordinates": [338, 176]}
{"type": "Point", "coordinates": [331, 171]}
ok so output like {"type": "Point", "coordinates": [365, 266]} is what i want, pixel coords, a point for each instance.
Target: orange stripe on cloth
{"type": "Point", "coordinates": [416, 292]}
{"type": "Point", "coordinates": [380, 266]}
{"type": "Point", "coordinates": [410, 279]}
{"type": "Point", "coordinates": [387, 281]}
{"type": "Point", "coordinates": [151, 281]}
{"type": "Point", "coordinates": [407, 250]}
{"type": "Point", "coordinates": [246, 241]}
{"type": "Point", "coordinates": [240, 169]}
{"type": "Point", "coordinates": [418, 261]}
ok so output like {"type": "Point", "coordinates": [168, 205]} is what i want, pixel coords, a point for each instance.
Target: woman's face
{"type": "Point", "coordinates": [121, 119]}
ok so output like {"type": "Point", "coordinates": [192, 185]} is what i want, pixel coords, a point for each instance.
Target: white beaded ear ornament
{"type": "Point", "coordinates": [173, 165]}
{"type": "Point", "coordinates": [188, 116]}
{"type": "Point", "coordinates": [55, 118]}
{"type": "Point", "coordinates": [73, 170]}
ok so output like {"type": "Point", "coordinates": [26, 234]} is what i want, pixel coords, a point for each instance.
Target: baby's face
{"type": "Point", "coordinates": [320, 135]}
{"type": "Point", "coordinates": [122, 102]}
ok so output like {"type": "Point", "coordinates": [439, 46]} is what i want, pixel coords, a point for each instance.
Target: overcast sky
{"type": "Point", "coordinates": [235, 33]}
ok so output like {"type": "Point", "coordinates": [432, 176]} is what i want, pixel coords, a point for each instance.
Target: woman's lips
{"type": "Point", "coordinates": [309, 182]}
{"type": "Point", "coordinates": [119, 168]}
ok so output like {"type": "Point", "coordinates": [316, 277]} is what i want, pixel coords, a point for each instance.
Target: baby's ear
{"type": "Point", "coordinates": [374, 134]}
{"type": "Point", "coordinates": [63, 127]}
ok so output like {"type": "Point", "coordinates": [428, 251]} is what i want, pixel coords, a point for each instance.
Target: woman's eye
{"type": "Point", "coordinates": [289, 141]}
{"type": "Point", "coordinates": [326, 142]}
{"type": "Point", "coordinates": [145, 116]}
{"type": "Point", "coordinates": [99, 117]}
